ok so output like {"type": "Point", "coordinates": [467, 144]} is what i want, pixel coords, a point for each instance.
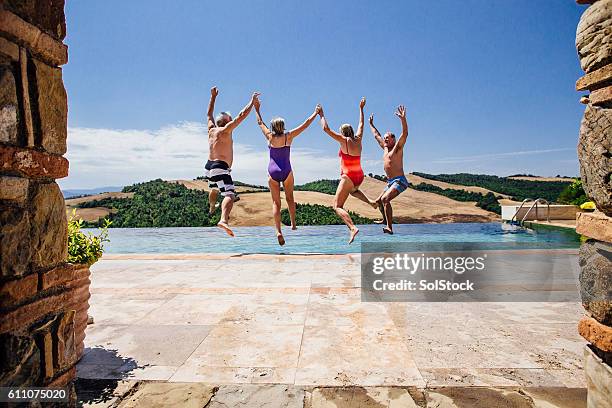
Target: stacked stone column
{"type": "Point", "coordinates": [43, 300]}
{"type": "Point", "coordinates": [594, 45]}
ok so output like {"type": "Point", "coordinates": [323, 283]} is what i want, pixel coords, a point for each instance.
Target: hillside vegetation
{"type": "Point", "coordinates": [518, 189]}
{"type": "Point", "coordinates": [316, 214]}
{"type": "Point", "coordinates": [321, 186]}
{"type": "Point", "coordinates": [157, 204]}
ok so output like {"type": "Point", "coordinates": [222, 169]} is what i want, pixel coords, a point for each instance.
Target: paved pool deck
{"type": "Point", "coordinates": [298, 321]}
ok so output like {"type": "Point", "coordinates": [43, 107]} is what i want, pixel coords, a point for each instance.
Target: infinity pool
{"type": "Point", "coordinates": [329, 239]}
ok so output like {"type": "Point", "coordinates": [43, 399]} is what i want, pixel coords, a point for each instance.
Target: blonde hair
{"type": "Point", "coordinates": [347, 131]}
{"type": "Point", "coordinates": [278, 126]}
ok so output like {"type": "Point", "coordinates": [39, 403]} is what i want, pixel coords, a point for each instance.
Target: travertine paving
{"type": "Point", "coordinates": [299, 321]}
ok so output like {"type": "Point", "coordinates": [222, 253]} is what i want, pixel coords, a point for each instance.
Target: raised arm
{"type": "Point", "coordinates": [264, 129]}
{"type": "Point", "coordinates": [233, 124]}
{"type": "Point", "coordinates": [295, 132]}
{"type": "Point", "coordinates": [359, 133]}
{"type": "Point", "coordinates": [211, 107]}
{"type": "Point", "coordinates": [337, 136]}
{"type": "Point", "coordinates": [401, 113]}
{"type": "Point", "coordinates": [376, 133]}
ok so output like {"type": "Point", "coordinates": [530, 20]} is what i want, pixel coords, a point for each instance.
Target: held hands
{"type": "Point", "coordinates": [214, 92]}
{"type": "Point", "coordinates": [256, 103]}
{"type": "Point", "coordinates": [320, 111]}
{"type": "Point", "coordinates": [255, 97]}
{"type": "Point", "coordinates": [401, 112]}
{"type": "Point", "coordinates": [362, 103]}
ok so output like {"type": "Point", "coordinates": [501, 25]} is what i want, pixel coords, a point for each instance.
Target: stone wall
{"type": "Point", "coordinates": [594, 45]}
{"type": "Point", "coordinates": [43, 300]}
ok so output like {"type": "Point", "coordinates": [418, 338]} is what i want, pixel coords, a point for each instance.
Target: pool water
{"type": "Point", "coordinates": [328, 239]}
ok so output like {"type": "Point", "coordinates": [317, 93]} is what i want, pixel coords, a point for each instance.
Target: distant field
{"type": "Point", "coordinates": [414, 179]}
{"type": "Point", "coordinates": [513, 188]}
{"type": "Point", "coordinates": [530, 178]}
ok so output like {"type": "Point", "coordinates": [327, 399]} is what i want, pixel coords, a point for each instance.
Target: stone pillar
{"type": "Point", "coordinates": [594, 45]}
{"type": "Point", "coordinates": [43, 300]}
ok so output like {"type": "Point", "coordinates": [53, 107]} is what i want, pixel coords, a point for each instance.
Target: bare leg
{"type": "Point", "coordinates": [212, 200]}
{"type": "Point", "coordinates": [276, 208]}
{"type": "Point", "coordinates": [361, 196]}
{"type": "Point", "coordinates": [342, 193]}
{"type": "Point", "coordinates": [288, 187]}
{"type": "Point", "coordinates": [226, 208]}
{"type": "Point", "coordinates": [386, 202]}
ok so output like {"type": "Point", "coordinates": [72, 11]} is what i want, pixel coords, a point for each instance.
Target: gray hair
{"type": "Point", "coordinates": [347, 131]}
{"type": "Point", "coordinates": [278, 126]}
{"type": "Point", "coordinates": [223, 118]}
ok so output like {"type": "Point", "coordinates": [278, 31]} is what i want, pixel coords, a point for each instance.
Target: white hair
{"type": "Point", "coordinates": [223, 115]}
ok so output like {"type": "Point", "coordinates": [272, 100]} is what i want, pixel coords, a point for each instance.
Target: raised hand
{"type": "Point", "coordinates": [321, 114]}
{"type": "Point", "coordinates": [401, 112]}
{"type": "Point", "coordinates": [256, 102]}
{"type": "Point", "coordinates": [254, 97]}
{"type": "Point", "coordinates": [318, 109]}
{"type": "Point", "coordinates": [372, 119]}
{"type": "Point", "coordinates": [362, 102]}
{"type": "Point", "coordinates": [214, 91]}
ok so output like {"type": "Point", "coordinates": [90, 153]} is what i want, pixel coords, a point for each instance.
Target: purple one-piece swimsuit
{"type": "Point", "coordinates": [280, 163]}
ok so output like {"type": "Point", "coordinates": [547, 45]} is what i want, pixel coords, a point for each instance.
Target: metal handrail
{"type": "Point", "coordinates": [525, 201]}
{"type": "Point", "coordinates": [535, 204]}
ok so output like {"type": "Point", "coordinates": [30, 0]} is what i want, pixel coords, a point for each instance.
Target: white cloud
{"type": "Point", "coordinates": [113, 157]}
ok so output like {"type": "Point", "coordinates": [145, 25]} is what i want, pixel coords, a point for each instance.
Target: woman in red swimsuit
{"type": "Point", "coordinates": [351, 173]}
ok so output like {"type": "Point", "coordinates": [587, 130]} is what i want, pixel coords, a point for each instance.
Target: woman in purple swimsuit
{"type": "Point", "coordinates": [279, 168]}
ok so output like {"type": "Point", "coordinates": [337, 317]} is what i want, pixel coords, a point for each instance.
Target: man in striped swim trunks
{"type": "Point", "coordinates": [221, 157]}
{"type": "Point", "coordinates": [393, 161]}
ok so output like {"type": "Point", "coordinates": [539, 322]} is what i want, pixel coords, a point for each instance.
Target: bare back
{"type": "Point", "coordinates": [220, 145]}
{"type": "Point", "coordinates": [279, 140]}
{"type": "Point", "coordinates": [354, 146]}
{"type": "Point", "coordinates": [393, 162]}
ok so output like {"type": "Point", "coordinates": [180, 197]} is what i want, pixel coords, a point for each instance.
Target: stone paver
{"type": "Point", "coordinates": [299, 321]}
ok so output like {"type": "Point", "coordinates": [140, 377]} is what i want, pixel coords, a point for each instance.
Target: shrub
{"type": "Point", "coordinates": [85, 248]}
{"type": "Point", "coordinates": [573, 194]}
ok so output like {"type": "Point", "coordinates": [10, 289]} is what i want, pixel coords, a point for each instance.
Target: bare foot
{"type": "Point", "coordinates": [374, 204]}
{"type": "Point", "coordinates": [294, 227]}
{"type": "Point", "coordinates": [354, 233]}
{"type": "Point", "coordinates": [281, 239]}
{"type": "Point", "coordinates": [226, 228]}
{"type": "Point", "coordinates": [387, 230]}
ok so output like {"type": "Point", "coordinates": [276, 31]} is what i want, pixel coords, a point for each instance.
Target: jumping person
{"type": "Point", "coordinates": [221, 157]}
{"type": "Point", "coordinates": [393, 161]}
{"type": "Point", "coordinates": [279, 168]}
{"type": "Point", "coordinates": [351, 174]}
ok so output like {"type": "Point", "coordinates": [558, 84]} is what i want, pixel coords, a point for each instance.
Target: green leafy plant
{"type": "Point", "coordinates": [85, 248]}
{"type": "Point", "coordinates": [573, 194]}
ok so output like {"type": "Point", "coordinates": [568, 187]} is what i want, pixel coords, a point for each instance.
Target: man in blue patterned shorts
{"type": "Point", "coordinates": [393, 161]}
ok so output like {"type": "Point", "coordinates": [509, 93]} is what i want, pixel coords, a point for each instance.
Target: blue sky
{"type": "Point", "coordinates": [488, 85]}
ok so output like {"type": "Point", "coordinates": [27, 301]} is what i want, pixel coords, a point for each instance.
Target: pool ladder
{"type": "Point", "coordinates": [514, 219]}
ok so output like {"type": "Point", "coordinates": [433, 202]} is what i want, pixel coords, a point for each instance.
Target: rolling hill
{"type": "Point", "coordinates": [254, 208]}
